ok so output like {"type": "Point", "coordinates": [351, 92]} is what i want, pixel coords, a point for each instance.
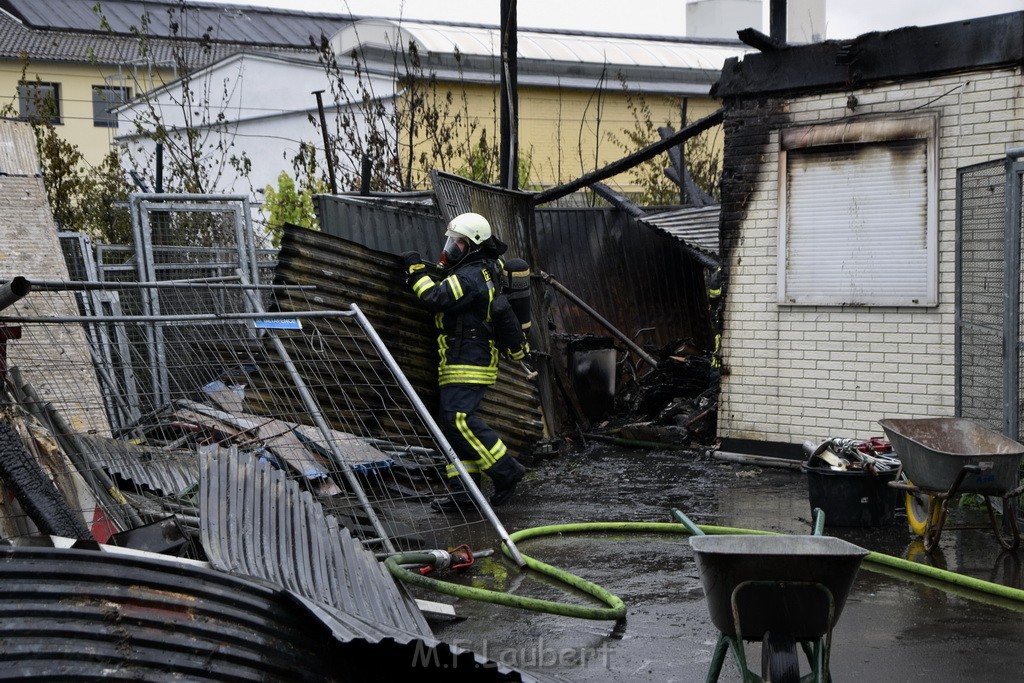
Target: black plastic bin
{"type": "Point", "coordinates": [852, 498]}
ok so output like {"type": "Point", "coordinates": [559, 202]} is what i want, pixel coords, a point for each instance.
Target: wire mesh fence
{"type": "Point", "coordinates": [112, 409]}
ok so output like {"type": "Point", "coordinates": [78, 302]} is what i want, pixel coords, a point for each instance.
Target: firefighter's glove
{"type": "Point", "coordinates": [412, 261]}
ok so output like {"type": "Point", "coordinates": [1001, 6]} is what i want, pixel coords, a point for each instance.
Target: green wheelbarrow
{"type": "Point", "coordinates": [781, 591]}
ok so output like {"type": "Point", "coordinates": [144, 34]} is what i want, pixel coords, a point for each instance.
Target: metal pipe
{"type": "Point", "coordinates": [205, 283]}
{"type": "Point", "coordinates": [648, 358]}
{"type": "Point", "coordinates": [327, 140]}
{"type": "Point", "coordinates": [435, 431]}
{"type": "Point", "coordinates": [167, 319]}
{"type": "Point", "coordinates": [14, 291]}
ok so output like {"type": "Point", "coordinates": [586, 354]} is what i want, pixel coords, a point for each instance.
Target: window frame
{"type": "Point", "coordinates": [111, 119]}
{"type": "Point", "coordinates": [27, 108]}
{"type": "Point", "coordinates": [867, 131]}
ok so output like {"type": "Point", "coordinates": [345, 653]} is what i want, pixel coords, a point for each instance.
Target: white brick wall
{"type": "Point", "coordinates": [796, 373]}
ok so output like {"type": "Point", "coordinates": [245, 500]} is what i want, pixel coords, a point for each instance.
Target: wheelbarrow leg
{"type": "Point", "coordinates": [718, 658]}
{"type": "Point", "coordinates": [933, 529]}
{"type": "Point", "coordinates": [1009, 523]}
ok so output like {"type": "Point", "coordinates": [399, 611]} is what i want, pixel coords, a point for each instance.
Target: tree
{"type": "Point", "coordinates": [421, 128]}
{"type": "Point", "coordinates": [656, 187]}
{"type": "Point", "coordinates": [288, 204]}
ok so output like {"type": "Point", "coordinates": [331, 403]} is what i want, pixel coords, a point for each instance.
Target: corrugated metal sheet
{"type": "Point", "coordinates": [637, 277]}
{"type": "Point", "coordinates": [164, 471]}
{"type": "Point", "coordinates": [345, 273]}
{"type": "Point", "coordinates": [243, 24]}
{"type": "Point", "coordinates": [383, 225]}
{"type": "Point", "coordinates": [81, 614]}
{"type": "Point", "coordinates": [257, 523]}
{"type": "Point", "coordinates": [697, 227]}
{"type": "Point", "coordinates": [18, 149]}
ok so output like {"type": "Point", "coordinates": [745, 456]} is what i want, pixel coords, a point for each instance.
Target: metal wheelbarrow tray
{"type": "Point", "coordinates": [781, 590]}
{"type": "Point", "coordinates": [943, 457]}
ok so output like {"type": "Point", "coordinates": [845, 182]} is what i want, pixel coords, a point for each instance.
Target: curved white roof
{"type": "Point", "coordinates": [483, 41]}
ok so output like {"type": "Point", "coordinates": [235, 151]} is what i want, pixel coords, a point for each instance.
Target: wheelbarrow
{"type": "Point", "coordinates": [780, 590]}
{"type": "Point", "coordinates": [943, 457]}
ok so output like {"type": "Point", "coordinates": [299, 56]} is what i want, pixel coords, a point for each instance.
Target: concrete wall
{"type": "Point", "coordinates": [796, 373]}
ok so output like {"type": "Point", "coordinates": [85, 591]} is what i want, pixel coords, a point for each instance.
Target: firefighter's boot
{"type": "Point", "coordinates": [506, 473]}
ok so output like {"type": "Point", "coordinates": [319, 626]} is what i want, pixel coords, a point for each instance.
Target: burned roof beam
{"type": "Point", "coordinates": [628, 162]}
{"type": "Point", "coordinates": [758, 40]}
{"type": "Point", "coordinates": [679, 173]}
{"type": "Point", "coordinates": [617, 200]}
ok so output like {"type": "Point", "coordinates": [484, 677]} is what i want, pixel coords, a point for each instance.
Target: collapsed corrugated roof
{"type": "Point", "coordinates": [696, 226]}
{"type": "Point", "coordinates": [256, 522]}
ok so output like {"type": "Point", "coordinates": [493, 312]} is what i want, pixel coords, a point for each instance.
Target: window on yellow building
{"type": "Point", "coordinates": [106, 98]}
{"type": "Point", "coordinates": [39, 101]}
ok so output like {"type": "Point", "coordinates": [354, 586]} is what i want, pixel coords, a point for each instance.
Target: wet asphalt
{"type": "Point", "coordinates": [893, 628]}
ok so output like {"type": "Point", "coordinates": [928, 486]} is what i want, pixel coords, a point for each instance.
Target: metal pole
{"type": "Point", "coordinates": [777, 20]}
{"type": "Point", "coordinates": [327, 140]}
{"type": "Point", "coordinates": [226, 282]}
{"type": "Point", "coordinates": [509, 153]}
{"type": "Point", "coordinates": [648, 358]}
{"type": "Point", "coordinates": [13, 291]}
{"type": "Point", "coordinates": [364, 186]}
{"type": "Point", "coordinates": [159, 167]}
{"type": "Point", "coordinates": [435, 431]}
{"type": "Point", "coordinates": [168, 319]}
{"type": "Point", "coordinates": [337, 458]}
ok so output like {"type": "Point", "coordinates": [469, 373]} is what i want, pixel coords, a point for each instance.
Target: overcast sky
{"type": "Point", "coordinates": [844, 18]}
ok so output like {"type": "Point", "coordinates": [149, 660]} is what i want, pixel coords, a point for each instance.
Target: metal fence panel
{"type": "Point", "coordinates": [980, 294]}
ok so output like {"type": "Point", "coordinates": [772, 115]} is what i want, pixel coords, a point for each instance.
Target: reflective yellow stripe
{"type": "Point", "coordinates": [471, 467]}
{"type": "Point", "coordinates": [448, 375]}
{"type": "Point", "coordinates": [499, 450]}
{"type": "Point", "coordinates": [485, 460]}
{"type": "Point", "coordinates": [422, 285]}
{"type": "Point", "coordinates": [455, 286]}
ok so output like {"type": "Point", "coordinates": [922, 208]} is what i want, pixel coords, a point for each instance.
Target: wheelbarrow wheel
{"type": "Point", "coordinates": [918, 504]}
{"type": "Point", "coordinates": [779, 660]}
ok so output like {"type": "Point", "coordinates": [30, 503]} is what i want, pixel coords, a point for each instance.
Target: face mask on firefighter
{"type": "Point", "coordinates": [455, 249]}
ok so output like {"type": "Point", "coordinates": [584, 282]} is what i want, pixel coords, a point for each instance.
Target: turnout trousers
{"type": "Point", "coordinates": [476, 444]}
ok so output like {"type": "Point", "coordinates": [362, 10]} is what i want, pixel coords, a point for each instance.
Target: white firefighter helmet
{"type": "Point", "coordinates": [472, 226]}
{"type": "Point", "coordinates": [466, 232]}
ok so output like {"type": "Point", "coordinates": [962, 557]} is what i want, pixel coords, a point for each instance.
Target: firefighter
{"type": "Point", "coordinates": [475, 323]}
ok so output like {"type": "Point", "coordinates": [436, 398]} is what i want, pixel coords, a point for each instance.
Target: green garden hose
{"type": "Point", "coordinates": [616, 609]}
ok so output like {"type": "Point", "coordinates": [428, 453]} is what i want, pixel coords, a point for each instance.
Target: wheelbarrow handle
{"type": "Point", "coordinates": [690, 526]}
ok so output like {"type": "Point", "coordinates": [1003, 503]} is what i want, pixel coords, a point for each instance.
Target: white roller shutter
{"type": "Point", "coordinates": [855, 226]}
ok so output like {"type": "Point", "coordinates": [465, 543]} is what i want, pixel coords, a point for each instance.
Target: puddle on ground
{"type": "Point", "coordinates": [890, 629]}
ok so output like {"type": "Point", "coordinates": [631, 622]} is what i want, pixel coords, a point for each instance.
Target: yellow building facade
{"type": "Point", "coordinates": [585, 100]}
